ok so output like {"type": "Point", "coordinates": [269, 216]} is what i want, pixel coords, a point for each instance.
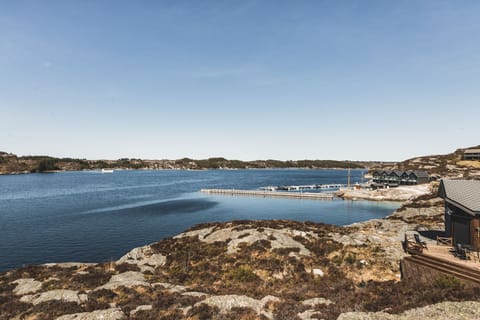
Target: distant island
{"type": "Point", "coordinates": [13, 164]}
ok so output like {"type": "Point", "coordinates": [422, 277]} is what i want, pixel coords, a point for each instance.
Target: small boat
{"type": "Point", "coordinates": [107, 170]}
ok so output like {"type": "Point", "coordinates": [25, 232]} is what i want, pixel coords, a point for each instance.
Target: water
{"type": "Point", "coordinates": [93, 217]}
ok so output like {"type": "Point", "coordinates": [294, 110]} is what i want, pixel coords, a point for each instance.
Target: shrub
{"type": "Point", "coordinates": [447, 282]}
{"type": "Point", "coordinates": [351, 258]}
{"type": "Point", "coordinates": [243, 274]}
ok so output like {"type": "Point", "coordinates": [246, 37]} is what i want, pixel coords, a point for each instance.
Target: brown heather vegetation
{"type": "Point", "coordinates": [255, 270]}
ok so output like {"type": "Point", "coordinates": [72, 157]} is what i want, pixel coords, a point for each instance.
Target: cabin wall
{"type": "Point", "coordinates": [448, 221]}
{"type": "Point", "coordinates": [474, 232]}
{"type": "Point", "coordinates": [462, 226]}
{"type": "Point", "coordinates": [421, 180]}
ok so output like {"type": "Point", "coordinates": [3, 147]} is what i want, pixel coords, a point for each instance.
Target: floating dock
{"type": "Point", "coordinates": [275, 194]}
{"type": "Point", "coordinates": [304, 187]}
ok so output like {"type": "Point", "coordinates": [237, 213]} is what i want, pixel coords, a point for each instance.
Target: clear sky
{"type": "Point", "coordinates": [360, 80]}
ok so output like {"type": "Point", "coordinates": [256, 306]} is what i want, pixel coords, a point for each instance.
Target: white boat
{"type": "Point", "coordinates": [107, 170]}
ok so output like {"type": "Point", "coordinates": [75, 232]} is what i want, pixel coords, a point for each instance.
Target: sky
{"type": "Point", "coordinates": [358, 80]}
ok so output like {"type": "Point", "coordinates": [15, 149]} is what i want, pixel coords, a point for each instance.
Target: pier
{"type": "Point", "coordinates": [276, 194]}
{"type": "Point", "coordinates": [304, 187]}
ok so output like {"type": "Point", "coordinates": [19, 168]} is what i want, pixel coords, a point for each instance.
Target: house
{"type": "Point", "coordinates": [394, 177]}
{"type": "Point", "coordinates": [462, 211]}
{"type": "Point", "coordinates": [471, 154]}
{"type": "Point", "coordinates": [398, 177]}
{"type": "Point", "coordinates": [417, 177]}
{"type": "Point", "coordinates": [377, 176]}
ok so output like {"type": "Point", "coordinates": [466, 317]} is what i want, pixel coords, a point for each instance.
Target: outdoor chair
{"type": "Point", "coordinates": [421, 243]}
{"type": "Point", "coordinates": [460, 252]}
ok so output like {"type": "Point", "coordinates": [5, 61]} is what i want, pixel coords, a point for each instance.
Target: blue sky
{"type": "Point", "coordinates": [360, 80]}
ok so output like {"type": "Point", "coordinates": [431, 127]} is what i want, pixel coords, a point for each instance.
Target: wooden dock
{"type": "Point", "coordinates": [275, 194]}
{"type": "Point", "coordinates": [304, 187]}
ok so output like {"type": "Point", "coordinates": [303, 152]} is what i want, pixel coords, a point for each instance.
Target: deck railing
{"type": "Point", "coordinates": [445, 241]}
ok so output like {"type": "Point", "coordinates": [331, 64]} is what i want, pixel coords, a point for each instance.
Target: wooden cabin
{"type": "Point", "coordinates": [398, 177]}
{"type": "Point", "coordinates": [462, 211]}
{"type": "Point", "coordinates": [418, 177]}
{"type": "Point", "coordinates": [471, 154]}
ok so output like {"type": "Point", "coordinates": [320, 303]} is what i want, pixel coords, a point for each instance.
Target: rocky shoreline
{"type": "Point", "coordinates": [247, 270]}
{"type": "Point", "coordinates": [401, 193]}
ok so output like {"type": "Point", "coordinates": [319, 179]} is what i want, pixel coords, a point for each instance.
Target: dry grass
{"type": "Point", "coordinates": [469, 164]}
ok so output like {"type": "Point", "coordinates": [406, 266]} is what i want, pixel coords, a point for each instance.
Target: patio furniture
{"type": "Point", "coordinates": [470, 252]}
{"type": "Point", "coordinates": [460, 252]}
{"type": "Point", "coordinates": [445, 241]}
{"type": "Point", "coordinates": [411, 246]}
{"type": "Point", "coordinates": [421, 243]}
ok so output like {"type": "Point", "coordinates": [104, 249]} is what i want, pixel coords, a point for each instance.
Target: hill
{"type": "Point", "coordinates": [12, 164]}
{"type": "Point", "coordinates": [449, 165]}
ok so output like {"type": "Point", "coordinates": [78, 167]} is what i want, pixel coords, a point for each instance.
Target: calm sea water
{"type": "Point", "coordinates": [93, 217]}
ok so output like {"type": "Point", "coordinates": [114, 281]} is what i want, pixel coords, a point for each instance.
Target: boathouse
{"type": "Point", "coordinates": [462, 211]}
{"type": "Point", "coordinates": [471, 154]}
{"type": "Point", "coordinates": [397, 177]}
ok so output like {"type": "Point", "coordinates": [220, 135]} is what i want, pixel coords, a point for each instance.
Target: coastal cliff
{"type": "Point", "coordinates": [246, 270]}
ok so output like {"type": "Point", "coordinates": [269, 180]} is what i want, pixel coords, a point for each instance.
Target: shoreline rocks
{"type": "Point", "coordinates": [401, 193]}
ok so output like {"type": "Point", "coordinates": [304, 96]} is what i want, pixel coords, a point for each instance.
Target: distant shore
{"type": "Point", "coordinates": [173, 169]}
{"type": "Point", "coordinates": [13, 164]}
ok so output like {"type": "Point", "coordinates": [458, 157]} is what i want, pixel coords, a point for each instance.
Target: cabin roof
{"type": "Point", "coordinates": [472, 151]}
{"type": "Point", "coordinates": [420, 174]}
{"type": "Point", "coordinates": [465, 193]}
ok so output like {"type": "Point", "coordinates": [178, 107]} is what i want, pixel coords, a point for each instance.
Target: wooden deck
{"type": "Point", "coordinates": [444, 252]}
{"type": "Point", "coordinates": [438, 259]}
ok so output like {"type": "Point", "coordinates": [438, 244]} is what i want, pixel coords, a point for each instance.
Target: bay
{"type": "Point", "coordinates": [91, 217]}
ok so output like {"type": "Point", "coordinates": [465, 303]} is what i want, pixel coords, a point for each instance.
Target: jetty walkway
{"type": "Point", "coordinates": [304, 187]}
{"type": "Point", "coordinates": [276, 194]}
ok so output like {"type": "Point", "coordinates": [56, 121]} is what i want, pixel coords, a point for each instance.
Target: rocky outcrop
{"type": "Point", "coordinates": [60, 294]}
{"type": "Point", "coordinates": [25, 286]}
{"type": "Point", "coordinates": [278, 238]}
{"type": "Point", "coordinates": [228, 302]}
{"type": "Point", "coordinates": [107, 314]}
{"type": "Point", "coordinates": [316, 301]}
{"type": "Point", "coordinates": [401, 193]}
{"type": "Point", "coordinates": [468, 310]}
{"type": "Point", "coordinates": [145, 307]}
{"type": "Point", "coordinates": [127, 279]}
{"type": "Point", "coordinates": [144, 258]}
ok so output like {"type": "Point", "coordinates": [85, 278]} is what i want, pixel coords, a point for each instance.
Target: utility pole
{"type": "Point", "coordinates": [348, 178]}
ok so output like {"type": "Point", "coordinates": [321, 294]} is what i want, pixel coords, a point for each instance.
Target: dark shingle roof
{"type": "Point", "coordinates": [463, 192]}
{"type": "Point", "coordinates": [420, 174]}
